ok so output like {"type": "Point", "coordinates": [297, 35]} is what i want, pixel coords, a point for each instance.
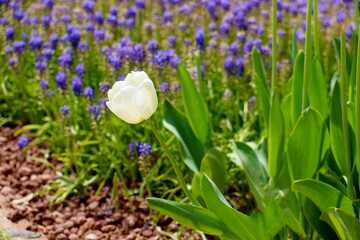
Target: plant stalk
{"type": "Point", "coordinates": [316, 31]}
{"type": "Point", "coordinates": [274, 81]}
{"type": "Point", "coordinates": [173, 163]}
{"type": "Point", "coordinates": [308, 56]}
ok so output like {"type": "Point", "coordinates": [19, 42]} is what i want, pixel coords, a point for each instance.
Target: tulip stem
{"type": "Point", "coordinates": [173, 163]}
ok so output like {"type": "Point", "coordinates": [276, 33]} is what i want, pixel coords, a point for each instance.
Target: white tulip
{"type": "Point", "coordinates": [134, 99]}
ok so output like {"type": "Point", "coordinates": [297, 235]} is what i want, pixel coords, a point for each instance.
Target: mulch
{"type": "Point", "coordinates": [24, 199]}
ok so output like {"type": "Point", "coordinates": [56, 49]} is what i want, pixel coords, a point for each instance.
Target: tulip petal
{"type": "Point", "coordinates": [146, 99]}
{"type": "Point", "coordinates": [124, 106]}
{"type": "Point", "coordinates": [116, 88]}
{"type": "Point", "coordinates": [123, 113]}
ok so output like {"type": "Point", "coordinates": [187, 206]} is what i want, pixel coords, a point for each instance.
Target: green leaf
{"type": "Point", "coordinates": [297, 87]}
{"type": "Point", "coordinates": [286, 110]}
{"type": "Point", "coordinates": [253, 171]}
{"type": "Point", "coordinates": [349, 224]}
{"type": "Point", "coordinates": [293, 45]}
{"type": "Point", "coordinates": [317, 91]}
{"type": "Point", "coordinates": [191, 216]}
{"type": "Point", "coordinates": [264, 97]}
{"type": "Point", "coordinates": [214, 165]}
{"type": "Point", "coordinates": [191, 148]}
{"type": "Point", "coordinates": [304, 149]}
{"type": "Point", "coordinates": [312, 214]}
{"type": "Point", "coordinates": [243, 226]}
{"type": "Point", "coordinates": [323, 195]}
{"type": "Point", "coordinates": [195, 107]}
{"type": "Point", "coordinates": [259, 69]}
{"type": "Point", "coordinates": [276, 136]}
{"type": "Point", "coordinates": [336, 134]}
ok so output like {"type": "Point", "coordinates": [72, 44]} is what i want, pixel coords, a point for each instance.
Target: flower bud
{"type": "Point", "coordinates": [134, 99]}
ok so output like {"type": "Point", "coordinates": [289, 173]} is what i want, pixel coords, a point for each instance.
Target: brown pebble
{"type": "Point", "coordinates": [147, 233]}
{"type": "Point", "coordinates": [61, 236]}
{"type": "Point", "coordinates": [25, 171]}
{"type": "Point", "coordinates": [73, 236]}
{"type": "Point", "coordinates": [108, 228]}
{"type": "Point", "coordinates": [92, 206]}
{"type": "Point", "coordinates": [68, 224]}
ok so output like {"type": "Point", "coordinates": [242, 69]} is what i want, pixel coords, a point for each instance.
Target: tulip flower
{"type": "Point", "coordinates": [134, 99]}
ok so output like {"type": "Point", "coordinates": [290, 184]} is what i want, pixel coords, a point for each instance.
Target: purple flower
{"type": "Point", "coordinates": [99, 34]}
{"type": "Point", "coordinates": [152, 45]}
{"type": "Point", "coordinates": [234, 48]}
{"type": "Point", "coordinates": [139, 52]}
{"type": "Point", "coordinates": [76, 85]}
{"type": "Point", "coordinates": [53, 39]}
{"type": "Point", "coordinates": [45, 21]}
{"type": "Point", "coordinates": [40, 65]}
{"type": "Point", "coordinates": [44, 84]}
{"type": "Point", "coordinates": [114, 10]}
{"type": "Point", "coordinates": [47, 53]}
{"type": "Point", "coordinates": [239, 66]}
{"type": "Point", "coordinates": [134, 146]}
{"type": "Point", "coordinates": [88, 6]}
{"type": "Point", "coordinates": [19, 46]}
{"type": "Point", "coordinates": [74, 37]}
{"type": "Point", "coordinates": [326, 21]}
{"type": "Point", "coordinates": [83, 47]}
{"type": "Point", "coordinates": [89, 93]}
{"type": "Point", "coordinates": [172, 40]}
{"type": "Point", "coordinates": [131, 13]}
{"type": "Point", "coordinates": [140, 4]}
{"type": "Point", "coordinates": [35, 43]}
{"type": "Point", "coordinates": [65, 110]}
{"type": "Point", "coordinates": [229, 65]}
{"type": "Point", "coordinates": [11, 62]}
{"type": "Point", "coordinates": [94, 110]}
{"type": "Point", "coordinates": [114, 60]}
{"type": "Point", "coordinates": [90, 27]}
{"type": "Point", "coordinates": [165, 87]}
{"type": "Point", "coordinates": [167, 16]}
{"type": "Point", "coordinates": [22, 142]}
{"type": "Point", "coordinates": [350, 29]}
{"type": "Point", "coordinates": [60, 80]}
{"type": "Point", "coordinates": [340, 16]}
{"type": "Point", "coordinates": [80, 70]}
{"type": "Point", "coordinates": [200, 38]}
{"type": "Point", "coordinates": [224, 28]}
{"type": "Point", "coordinates": [145, 149]}
{"type": "Point", "coordinates": [98, 18]}
{"type": "Point", "coordinates": [8, 49]}
{"type": "Point", "coordinates": [9, 33]}
{"type": "Point", "coordinates": [104, 86]}
{"type": "Point", "coordinates": [19, 14]}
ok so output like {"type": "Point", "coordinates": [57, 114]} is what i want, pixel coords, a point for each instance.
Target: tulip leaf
{"type": "Point", "coordinates": [349, 224]}
{"type": "Point", "coordinates": [323, 195]}
{"type": "Point", "coordinates": [297, 87]}
{"type": "Point", "coordinates": [253, 171]}
{"type": "Point", "coordinates": [305, 150]}
{"type": "Point", "coordinates": [192, 216]}
{"type": "Point", "coordinates": [336, 130]}
{"type": "Point", "coordinates": [312, 214]}
{"type": "Point", "coordinates": [317, 91]}
{"type": "Point", "coordinates": [245, 227]}
{"type": "Point", "coordinates": [276, 136]}
{"type": "Point", "coordinates": [259, 69]}
{"type": "Point", "coordinates": [195, 107]}
{"type": "Point", "coordinates": [264, 97]}
{"type": "Point", "coordinates": [191, 148]}
{"type": "Point", "coordinates": [214, 165]}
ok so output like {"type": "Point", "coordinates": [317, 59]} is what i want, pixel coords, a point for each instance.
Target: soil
{"type": "Point", "coordinates": [24, 201]}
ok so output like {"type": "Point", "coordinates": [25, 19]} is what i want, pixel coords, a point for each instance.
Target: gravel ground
{"type": "Point", "coordinates": [22, 182]}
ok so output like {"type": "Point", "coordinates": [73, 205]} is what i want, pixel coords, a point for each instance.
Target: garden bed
{"type": "Point", "coordinates": [88, 216]}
